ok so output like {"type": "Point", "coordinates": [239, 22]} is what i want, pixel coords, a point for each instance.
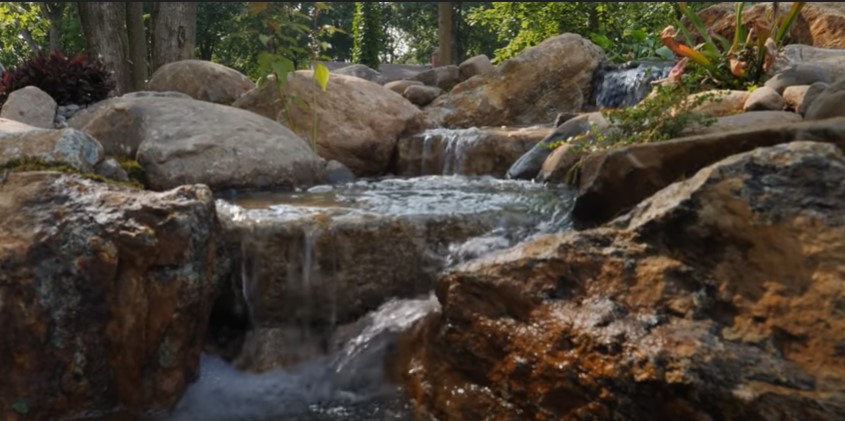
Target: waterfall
{"type": "Point", "coordinates": [626, 86]}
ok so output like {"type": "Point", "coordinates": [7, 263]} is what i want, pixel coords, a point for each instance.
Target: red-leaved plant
{"type": "Point", "coordinates": [79, 80]}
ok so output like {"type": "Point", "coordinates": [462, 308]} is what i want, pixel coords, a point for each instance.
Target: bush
{"type": "Point", "coordinates": [80, 80]}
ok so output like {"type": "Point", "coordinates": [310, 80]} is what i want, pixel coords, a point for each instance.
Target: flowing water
{"type": "Point", "coordinates": [629, 85]}
{"type": "Point", "coordinates": [449, 220]}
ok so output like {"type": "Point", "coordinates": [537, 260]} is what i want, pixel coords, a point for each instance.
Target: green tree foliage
{"type": "Point", "coordinates": [367, 33]}
{"type": "Point", "coordinates": [622, 24]}
{"type": "Point", "coordinates": [19, 21]}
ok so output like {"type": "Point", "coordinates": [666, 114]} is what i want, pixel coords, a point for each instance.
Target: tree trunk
{"type": "Point", "coordinates": [105, 36]}
{"type": "Point", "coordinates": [53, 12]}
{"type": "Point", "coordinates": [444, 31]}
{"type": "Point", "coordinates": [137, 44]}
{"type": "Point", "coordinates": [174, 32]}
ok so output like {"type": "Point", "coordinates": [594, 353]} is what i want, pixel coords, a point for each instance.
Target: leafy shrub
{"type": "Point", "coordinates": [367, 34]}
{"type": "Point", "coordinates": [737, 63]}
{"type": "Point", "coordinates": [80, 80]}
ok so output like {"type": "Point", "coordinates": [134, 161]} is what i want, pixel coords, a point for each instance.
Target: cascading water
{"type": "Point", "coordinates": [328, 248]}
{"type": "Point", "coordinates": [626, 86]}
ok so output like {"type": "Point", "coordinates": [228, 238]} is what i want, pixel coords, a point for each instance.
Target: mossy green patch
{"type": "Point", "coordinates": [30, 164]}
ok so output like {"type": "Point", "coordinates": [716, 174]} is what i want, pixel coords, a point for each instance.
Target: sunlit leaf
{"type": "Point", "coordinates": [264, 39]}
{"type": "Point", "coordinates": [321, 75]}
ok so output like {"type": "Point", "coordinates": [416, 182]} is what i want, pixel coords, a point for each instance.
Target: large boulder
{"type": "Point", "coordinates": [821, 24]}
{"type": "Point", "coordinates": [531, 88]}
{"type": "Point", "coordinates": [58, 147]}
{"type": "Point", "coordinates": [184, 141]}
{"type": "Point", "coordinates": [611, 183]}
{"type": "Point", "coordinates": [832, 60]}
{"type": "Point", "coordinates": [443, 77]}
{"type": "Point", "coordinates": [477, 65]}
{"type": "Point", "coordinates": [14, 126]}
{"type": "Point", "coordinates": [720, 298]}
{"type": "Point", "coordinates": [202, 80]}
{"type": "Point", "coordinates": [358, 122]}
{"type": "Point", "coordinates": [30, 105]}
{"type": "Point", "coordinates": [106, 294]}
{"type": "Point", "coordinates": [474, 151]}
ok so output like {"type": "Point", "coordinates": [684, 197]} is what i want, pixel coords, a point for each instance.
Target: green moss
{"type": "Point", "coordinates": [133, 169]}
{"type": "Point", "coordinates": [30, 164]}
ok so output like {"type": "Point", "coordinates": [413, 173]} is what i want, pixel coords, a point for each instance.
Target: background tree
{"type": "Point", "coordinates": [367, 34]}
{"type": "Point", "coordinates": [105, 35]}
{"type": "Point", "coordinates": [444, 32]}
{"type": "Point", "coordinates": [174, 32]}
{"type": "Point", "coordinates": [137, 37]}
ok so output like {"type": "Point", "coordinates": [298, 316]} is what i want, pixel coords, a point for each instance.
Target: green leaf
{"type": "Point", "coordinates": [264, 39]}
{"type": "Point", "coordinates": [321, 75]}
{"type": "Point", "coordinates": [665, 53]}
{"type": "Point", "coordinates": [601, 40]}
{"type": "Point", "coordinates": [21, 407]}
{"type": "Point", "coordinates": [281, 68]}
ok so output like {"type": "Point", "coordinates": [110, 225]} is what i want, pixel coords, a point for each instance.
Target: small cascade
{"type": "Point", "coordinates": [453, 150]}
{"type": "Point", "coordinates": [628, 85]}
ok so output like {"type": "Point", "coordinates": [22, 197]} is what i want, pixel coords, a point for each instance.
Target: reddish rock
{"type": "Point", "coordinates": [105, 294]}
{"type": "Point", "coordinates": [720, 298]}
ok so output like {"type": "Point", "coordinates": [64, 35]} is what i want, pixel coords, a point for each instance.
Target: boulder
{"type": "Point", "coordinates": [60, 147]}
{"type": "Point", "coordinates": [106, 295]}
{"type": "Point", "coordinates": [475, 151]}
{"type": "Point", "coordinates": [528, 166]}
{"type": "Point", "coordinates": [477, 65]}
{"type": "Point", "coordinates": [443, 77]}
{"type": "Point", "coordinates": [821, 24]}
{"type": "Point", "coordinates": [764, 99]}
{"type": "Point", "coordinates": [800, 74]}
{"type": "Point", "coordinates": [719, 103]}
{"type": "Point", "coordinates": [561, 165]}
{"type": "Point", "coordinates": [745, 121]}
{"type": "Point", "coordinates": [30, 105]}
{"type": "Point", "coordinates": [202, 80]}
{"type": "Point", "coordinates": [532, 88]}
{"type": "Point", "coordinates": [399, 86]}
{"type": "Point", "coordinates": [832, 60]}
{"type": "Point", "coordinates": [720, 298]}
{"type": "Point", "coordinates": [611, 183]}
{"type": "Point", "coordinates": [361, 71]}
{"type": "Point", "coordinates": [829, 103]}
{"type": "Point", "coordinates": [12, 126]}
{"type": "Point", "coordinates": [812, 93]}
{"type": "Point", "coordinates": [793, 97]}
{"type": "Point", "coordinates": [422, 95]}
{"type": "Point", "coordinates": [358, 122]}
{"type": "Point", "coordinates": [184, 141]}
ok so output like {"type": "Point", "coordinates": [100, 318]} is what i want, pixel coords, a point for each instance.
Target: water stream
{"type": "Point", "coordinates": [326, 247]}
{"type": "Point", "coordinates": [629, 84]}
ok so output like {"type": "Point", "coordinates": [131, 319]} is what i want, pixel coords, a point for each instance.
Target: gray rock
{"type": "Point", "coordinates": [812, 93]}
{"type": "Point", "coordinates": [337, 173]}
{"type": "Point", "coordinates": [111, 169]}
{"type": "Point", "coordinates": [444, 77]}
{"type": "Point", "coordinates": [422, 95]}
{"type": "Point", "coordinates": [477, 65]}
{"type": "Point", "coordinates": [529, 165]}
{"type": "Point", "coordinates": [800, 74]}
{"type": "Point", "coordinates": [30, 105]}
{"type": "Point", "coordinates": [67, 146]}
{"type": "Point", "coordinates": [183, 141]}
{"type": "Point", "coordinates": [830, 103]}
{"type": "Point", "coordinates": [830, 59]}
{"type": "Point", "coordinates": [361, 71]}
{"type": "Point", "coordinates": [764, 99]}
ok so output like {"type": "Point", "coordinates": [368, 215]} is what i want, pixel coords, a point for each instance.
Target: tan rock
{"type": "Point", "coordinates": [475, 151]}
{"type": "Point", "coordinates": [477, 65]}
{"type": "Point", "coordinates": [399, 86]}
{"type": "Point", "coordinates": [444, 77]}
{"type": "Point", "coordinates": [764, 99]}
{"type": "Point", "coordinates": [12, 126]}
{"type": "Point", "coordinates": [747, 121]}
{"type": "Point", "coordinates": [422, 95]}
{"type": "Point", "coordinates": [531, 88]}
{"type": "Point", "coordinates": [67, 146]}
{"type": "Point", "coordinates": [560, 166]}
{"type": "Point", "coordinates": [719, 294]}
{"type": "Point", "coordinates": [793, 96]}
{"type": "Point", "coordinates": [202, 80]}
{"type": "Point", "coordinates": [30, 105]}
{"type": "Point", "coordinates": [821, 24]}
{"type": "Point", "coordinates": [358, 122]}
{"type": "Point", "coordinates": [106, 295]}
{"type": "Point", "coordinates": [719, 103]}
{"type": "Point", "coordinates": [611, 183]}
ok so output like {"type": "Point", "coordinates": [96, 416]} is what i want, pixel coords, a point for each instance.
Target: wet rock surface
{"type": "Point", "coordinates": [718, 298]}
{"type": "Point", "coordinates": [105, 294]}
{"type": "Point", "coordinates": [475, 151]}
